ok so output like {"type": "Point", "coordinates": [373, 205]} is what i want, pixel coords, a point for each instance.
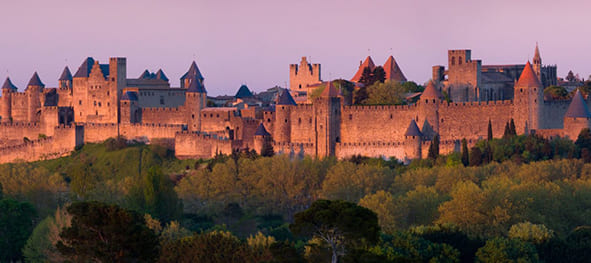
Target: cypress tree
{"type": "Point", "coordinates": [465, 154]}
{"type": "Point", "coordinates": [512, 127]}
{"type": "Point", "coordinates": [507, 132]}
{"type": "Point", "coordinates": [434, 148]}
{"type": "Point", "coordinates": [475, 156]}
{"type": "Point", "coordinates": [490, 133]}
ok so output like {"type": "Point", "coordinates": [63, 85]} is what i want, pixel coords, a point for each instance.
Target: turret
{"type": "Point", "coordinates": [528, 101]}
{"type": "Point", "coordinates": [285, 103]}
{"type": "Point", "coordinates": [413, 139]}
{"type": "Point", "coordinates": [130, 110]}
{"type": "Point", "coordinates": [537, 63]}
{"type": "Point", "coordinates": [34, 91]}
{"type": "Point", "coordinates": [577, 117]}
{"type": "Point", "coordinates": [7, 89]}
{"type": "Point", "coordinates": [261, 137]}
{"type": "Point", "coordinates": [117, 82]}
{"type": "Point", "coordinates": [327, 110]}
{"type": "Point", "coordinates": [303, 75]}
{"type": "Point", "coordinates": [195, 97]}
{"type": "Point", "coordinates": [65, 80]}
{"type": "Point", "coordinates": [428, 105]}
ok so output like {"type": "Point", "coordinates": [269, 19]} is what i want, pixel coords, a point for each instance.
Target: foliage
{"type": "Point", "coordinates": [338, 223]}
{"type": "Point", "coordinates": [406, 247]}
{"type": "Point", "coordinates": [41, 245]}
{"type": "Point", "coordinates": [506, 250]}
{"type": "Point", "coordinates": [556, 93]}
{"type": "Point", "coordinates": [350, 182]}
{"type": "Point", "coordinates": [107, 233]}
{"type": "Point", "coordinates": [465, 153]}
{"type": "Point", "coordinates": [434, 148]}
{"type": "Point", "coordinates": [533, 233]}
{"type": "Point", "coordinates": [155, 195]}
{"type": "Point", "coordinates": [16, 224]}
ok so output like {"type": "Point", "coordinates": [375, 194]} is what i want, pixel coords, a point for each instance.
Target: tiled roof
{"type": "Point", "coordinates": [528, 78]}
{"type": "Point", "coordinates": [367, 63]}
{"type": "Point", "coordinates": [431, 92]}
{"type": "Point", "coordinates": [413, 130]}
{"type": "Point", "coordinates": [393, 71]}
{"type": "Point", "coordinates": [285, 99]}
{"type": "Point", "coordinates": [35, 81]}
{"type": "Point", "coordinates": [8, 85]}
{"type": "Point", "coordinates": [129, 95]}
{"type": "Point", "coordinates": [243, 92]}
{"type": "Point", "coordinates": [261, 131]}
{"type": "Point", "coordinates": [84, 69]}
{"type": "Point", "coordinates": [66, 75]}
{"type": "Point", "coordinates": [578, 107]}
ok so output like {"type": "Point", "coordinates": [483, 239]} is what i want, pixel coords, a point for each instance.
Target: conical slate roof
{"type": "Point", "coordinates": [285, 99]}
{"type": "Point", "coordinates": [431, 92]}
{"type": "Point", "coordinates": [35, 81]}
{"type": "Point", "coordinates": [393, 71]}
{"type": "Point", "coordinates": [578, 107]}
{"type": "Point", "coordinates": [367, 63]}
{"type": "Point", "coordinates": [160, 75]}
{"type": "Point", "coordinates": [129, 95]}
{"type": "Point", "coordinates": [196, 86]}
{"type": "Point", "coordinates": [330, 91]}
{"type": "Point", "coordinates": [147, 75]}
{"type": "Point", "coordinates": [66, 75]}
{"type": "Point", "coordinates": [8, 85]}
{"type": "Point", "coordinates": [85, 68]}
{"type": "Point", "coordinates": [193, 72]}
{"type": "Point", "coordinates": [243, 92]}
{"type": "Point", "coordinates": [528, 78]}
{"type": "Point", "coordinates": [261, 131]}
{"type": "Point", "coordinates": [413, 130]}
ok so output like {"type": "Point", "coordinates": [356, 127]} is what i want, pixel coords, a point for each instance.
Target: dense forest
{"type": "Point", "coordinates": [515, 199]}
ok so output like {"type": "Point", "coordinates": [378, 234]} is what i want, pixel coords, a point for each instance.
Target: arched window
{"type": "Point", "coordinates": [459, 60]}
{"type": "Point", "coordinates": [453, 61]}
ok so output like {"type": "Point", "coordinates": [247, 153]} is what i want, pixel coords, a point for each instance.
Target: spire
{"type": "Point", "coordinates": [528, 78]}
{"type": "Point", "coordinates": [66, 75]}
{"type": "Point", "coordinates": [578, 108]}
{"type": "Point", "coordinates": [537, 57]}
{"type": "Point", "coordinates": [368, 63]}
{"type": "Point", "coordinates": [261, 131]}
{"type": "Point", "coordinates": [160, 75]}
{"type": "Point", "coordinates": [413, 130]}
{"type": "Point", "coordinates": [393, 71]}
{"type": "Point", "coordinates": [8, 85]}
{"type": "Point", "coordinates": [35, 80]}
{"type": "Point", "coordinates": [193, 72]}
{"type": "Point", "coordinates": [431, 92]}
{"type": "Point", "coordinates": [285, 99]}
{"type": "Point", "coordinates": [330, 91]}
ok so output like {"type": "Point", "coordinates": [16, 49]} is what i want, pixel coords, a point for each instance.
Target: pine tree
{"type": "Point", "coordinates": [465, 154]}
{"type": "Point", "coordinates": [490, 133]}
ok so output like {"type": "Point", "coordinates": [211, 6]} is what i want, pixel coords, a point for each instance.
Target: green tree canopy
{"type": "Point", "coordinates": [16, 224]}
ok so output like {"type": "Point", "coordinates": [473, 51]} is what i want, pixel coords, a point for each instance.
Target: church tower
{"type": "Point", "coordinates": [528, 101]}
{"type": "Point", "coordinates": [327, 110]}
{"type": "Point", "coordinates": [537, 63]}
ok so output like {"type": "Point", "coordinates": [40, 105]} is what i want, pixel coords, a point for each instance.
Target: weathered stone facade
{"type": "Point", "coordinates": [100, 101]}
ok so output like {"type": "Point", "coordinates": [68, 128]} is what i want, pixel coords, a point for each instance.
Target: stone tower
{"type": "Point", "coordinates": [577, 117]}
{"type": "Point", "coordinates": [528, 101]}
{"type": "Point", "coordinates": [413, 139]}
{"type": "Point", "coordinates": [327, 110]}
{"type": "Point", "coordinates": [464, 76]}
{"type": "Point", "coordinates": [34, 91]}
{"type": "Point", "coordinates": [428, 106]}
{"type": "Point", "coordinates": [537, 63]}
{"type": "Point", "coordinates": [117, 82]}
{"type": "Point", "coordinates": [302, 75]}
{"type": "Point", "coordinates": [195, 97]}
{"type": "Point", "coordinates": [283, 109]}
{"type": "Point", "coordinates": [130, 110]}
{"type": "Point", "coordinates": [261, 136]}
{"type": "Point", "coordinates": [7, 89]}
{"type": "Point", "coordinates": [65, 80]}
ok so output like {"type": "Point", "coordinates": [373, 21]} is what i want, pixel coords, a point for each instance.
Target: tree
{"type": "Point", "coordinates": [583, 141]}
{"type": "Point", "coordinates": [512, 129]}
{"type": "Point", "coordinates": [41, 245]}
{"type": "Point", "coordinates": [465, 153]}
{"type": "Point", "coordinates": [434, 148]}
{"type": "Point", "coordinates": [340, 224]}
{"type": "Point", "coordinates": [528, 232]}
{"type": "Point", "coordinates": [556, 93]}
{"type": "Point", "coordinates": [501, 249]}
{"type": "Point", "coordinates": [379, 75]}
{"type": "Point", "coordinates": [386, 93]}
{"type": "Point", "coordinates": [155, 195]}
{"type": "Point", "coordinates": [578, 243]}
{"type": "Point", "coordinates": [267, 150]}
{"type": "Point", "coordinates": [107, 233]}
{"type": "Point", "coordinates": [490, 132]}
{"type": "Point", "coordinates": [16, 224]}
{"type": "Point", "coordinates": [367, 77]}
{"type": "Point", "coordinates": [570, 77]}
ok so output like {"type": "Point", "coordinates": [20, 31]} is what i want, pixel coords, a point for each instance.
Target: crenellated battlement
{"type": "Point", "coordinates": [378, 107]}
{"type": "Point", "coordinates": [477, 103]}
{"type": "Point", "coordinates": [20, 124]}
{"type": "Point", "coordinates": [163, 109]}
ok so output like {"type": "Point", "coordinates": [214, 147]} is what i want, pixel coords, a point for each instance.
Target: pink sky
{"type": "Point", "coordinates": [253, 42]}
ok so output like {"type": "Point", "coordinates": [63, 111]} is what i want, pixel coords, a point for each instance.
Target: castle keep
{"type": "Point", "coordinates": [100, 101]}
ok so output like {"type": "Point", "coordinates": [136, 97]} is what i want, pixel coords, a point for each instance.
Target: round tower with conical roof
{"type": "Point", "coordinates": [7, 89]}
{"type": "Point", "coordinates": [283, 107]}
{"type": "Point", "coordinates": [195, 96]}
{"type": "Point", "coordinates": [528, 101]}
{"type": "Point", "coordinates": [34, 91]}
{"type": "Point", "coordinates": [261, 136]}
{"type": "Point", "coordinates": [413, 139]}
{"type": "Point", "coordinates": [577, 117]}
{"type": "Point", "coordinates": [428, 107]}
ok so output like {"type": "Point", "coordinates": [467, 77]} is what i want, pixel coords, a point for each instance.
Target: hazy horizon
{"type": "Point", "coordinates": [253, 42]}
